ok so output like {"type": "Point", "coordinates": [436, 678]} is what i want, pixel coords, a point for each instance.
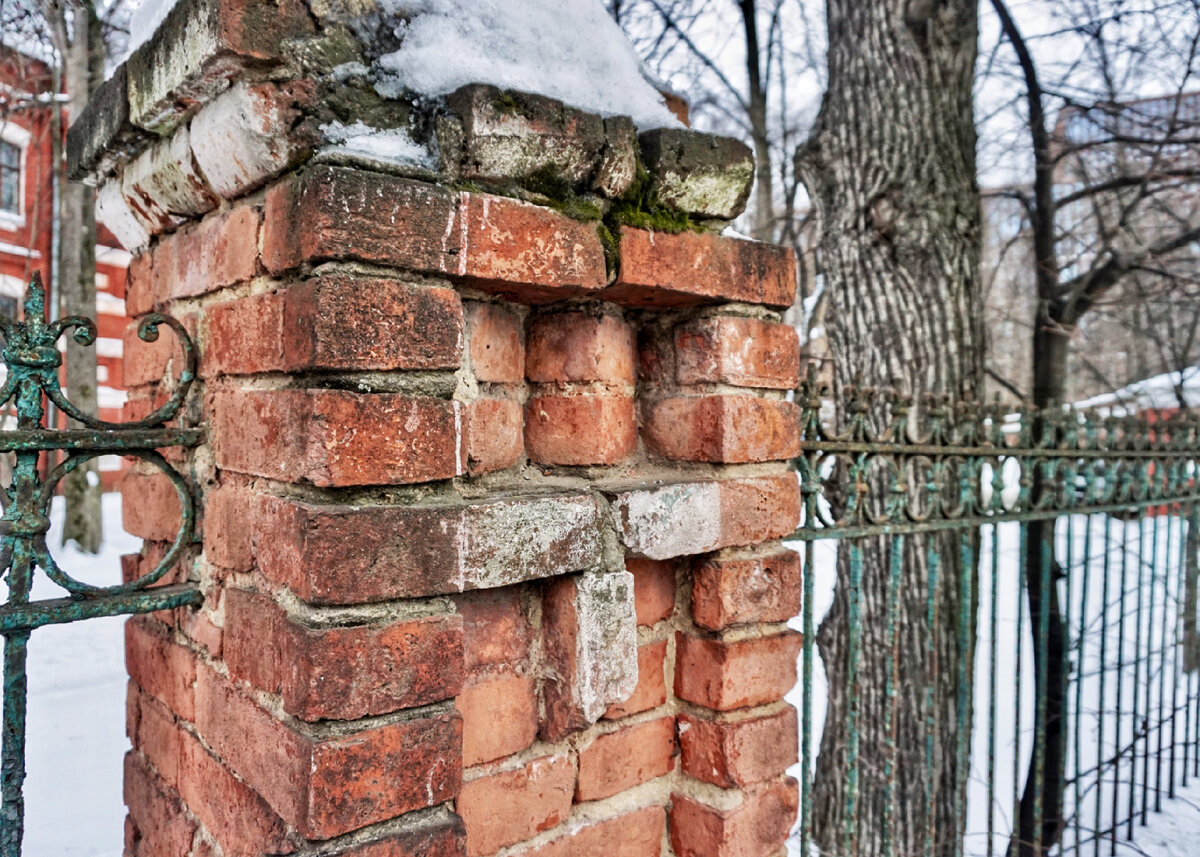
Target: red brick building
{"type": "Point", "coordinates": [27, 223]}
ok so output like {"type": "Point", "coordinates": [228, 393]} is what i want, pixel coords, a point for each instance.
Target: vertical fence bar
{"type": "Point", "coordinates": [933, 561]}
{"type": "Point", "coordinates": [893, 653]}
{"type": "Point", "coordinates": [853, 654]}
{"type": "Point", "coordinates": [1137, 675]}
{"type": "Point", "coordinates": [993, 636]}
{"type": "Point", "coordinates": [1149, 676]}
{"type": "Point", "coordinates": [1047, 531]}
{"type": "Point", "coordinates": [1069, 574]}
{"type": "Point", "coordinates": [1162, 676]}
{"type": "Point", "coordinates": [1022, 560]}
{"type": "Point", "coordinates": [1099, 809]}
{"type": "Point", "coordinates": [1079, 673]}
{"type": "Point", "coordinates": [1117, 751]}
{"type": "Point", "coordinates": [1178, 636]}
{"type": "Point", "coordinates": [13, 765]}
{"type": "Point", "coordinates": [966, 664]}
{"type": "Point", "coordinates": [806, 703]}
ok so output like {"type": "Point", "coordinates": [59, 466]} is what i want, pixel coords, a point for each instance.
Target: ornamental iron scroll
{"type": "Point", "coordinates": [32, 361]}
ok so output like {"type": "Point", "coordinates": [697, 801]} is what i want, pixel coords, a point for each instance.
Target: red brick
{"type": "Point", "coordinates": [525, 251]}
{"type": "Point", "coordinates": [150, 506]}
{"type": "Point", "coordinates": [496, 630]}
{"type": "Point", "coordinates": [626, 758]}
{"type": "Point", "coordinates": [506, 808]}
{"type": "Point", "coordinates": [759, 827]}
{"type": "Point", "coordinates": [354, 554]}
{"type": "Point", "coordinates": [337, 438]}
{"type": "Point", "coordinates": [139, 284]}
{"type": "Point", "coordinates": [228, 510]}
{"type": "Point", "coordinates": [744, 352]}
{"type": "Point", "coordinates": [572, 346]}
{"type": "Point", "coordinates": [220, 251]}
{"type": "Point", "coordinates": [345, 672]}
{"type": "Point", "coordinates": [234, 814]}
{"type": "Point", "coordinates": [358, 215]}
{"type": "Point", "coordinates": [651, 690]}
{"type": "Point", "coordinates": [724, 429]}
{"type": "Point", "coordinates": [684, 269]}
{"type": "Point", "coordinates": [635, 834]}
{"type": "Point", "coordinates": [589, 650]}
{"type": "Point", "coordinates": [160, 828]}
{"type": "Point", "coordinates": [495, 435]}
{"type": "Point", "coordinates": [731, 591]}
{"type": "Point", "coordinates": [653, 589]}
{"type": "Point", "coordinates": [500, 717]}
{"type": "Point", "coordinates": [160, 666]}
{"type": "Point", "coordinates": [497, 344]}
{"type": "Point", "coordinates": [326, 786]}
{"type": "Point", "coordinates": [145, 362]}
{"type": "Point", "coordinates": [440, 836]}
{"type": "Point", "coordinates": [738, 753]}
{"type": "Point", "coordinates": [580, 429]}
{"type": "Point", "coordinates": [724, 676]}
{"type": "Point", "coordinates": [336, 321]}
{"type": "Point", "coordinates": [697, 517]}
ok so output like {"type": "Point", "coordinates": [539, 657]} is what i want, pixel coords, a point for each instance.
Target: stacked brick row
{"type": "Point", "coordinates": [491, 502]}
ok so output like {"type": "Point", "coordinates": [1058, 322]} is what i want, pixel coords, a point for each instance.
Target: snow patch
{"type": "Point", "coordinates": [567, 49]}
{"type": "Point", "coordinates": [391, 145]}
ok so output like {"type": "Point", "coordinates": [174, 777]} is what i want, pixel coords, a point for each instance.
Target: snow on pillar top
{"type": "Point", "coordinates": [535, 98]}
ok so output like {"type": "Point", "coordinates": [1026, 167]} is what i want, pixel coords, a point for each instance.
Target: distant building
{"type": "Point", "coordinates": [26, 223]}
{"type": "Point", "coordinates": [1150, 324]}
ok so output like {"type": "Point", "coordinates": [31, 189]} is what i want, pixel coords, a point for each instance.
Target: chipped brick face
{"type": "Point", "coordinates": [490, 508]}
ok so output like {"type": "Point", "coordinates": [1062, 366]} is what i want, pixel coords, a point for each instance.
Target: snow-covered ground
{"type": "Point", "coordinates": [76, 718]}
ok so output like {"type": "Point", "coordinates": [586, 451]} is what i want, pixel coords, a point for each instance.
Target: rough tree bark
{"type": "Point", "coordinates": [890, 168]}
{"type": "Point", "coordinates": [83, 69]}
{"type": "Point", "coordinates": [756, 111]}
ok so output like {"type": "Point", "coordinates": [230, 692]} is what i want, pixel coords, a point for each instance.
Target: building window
{"type": "Point", "coordinates": [10, 177]}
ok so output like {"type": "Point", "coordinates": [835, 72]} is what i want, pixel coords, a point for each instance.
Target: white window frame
{"type": "Point", "coordinates": [19, 137]}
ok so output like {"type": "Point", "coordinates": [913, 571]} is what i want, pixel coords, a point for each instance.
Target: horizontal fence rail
{"type": "Point", "coordinates": [1009, 661]}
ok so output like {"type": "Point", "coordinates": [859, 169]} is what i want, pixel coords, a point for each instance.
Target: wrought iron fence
{"type": "Point", "coordinates": [1010, 661]}
{"type": "Point", "coordinates": [43, 456]}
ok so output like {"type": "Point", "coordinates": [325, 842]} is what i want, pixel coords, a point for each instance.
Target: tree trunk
{"type": "Point", "coordinates": [764, 207]}
{"type": "Point", "coordinates": [83, 68]}
{"type": "Point", "coordinates": [890, 168]}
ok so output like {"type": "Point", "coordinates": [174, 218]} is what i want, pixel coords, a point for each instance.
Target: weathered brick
{"type": "Point", "coordinates": [139, 284]}
{"type": "Point", "coordinates": [347, 555]}
{"type": "Point", "coordinates": [635, 834]}
{"type": "Point", "coordinates": [163, 184]}
{"type": "Point", "coordinates": [495, 435]}
{"type": "Point", "coordinates": [729, 591]}
{"type": "Point", "coordinates": [623, 759]}
{"type": "Point", "coordinates": [219, 251]}
{"type": "Point", "coordinates": [526, 252]}
{"type": "Point", "coordinates": [198, 48]}
{"type": "Point", "coordinates": [345, 672]}
{"type": "Point", "coordinates": [357, 215]}
{"type": "Point", "coordinates": [727, 675]}
{"type": "Point", "coordinates": [500, 717]}
{"type": "Point", "coordinates": [336, 321]}
{"type": "Point", "coordinates": [653, 589]}
{"type": "Point", "coordinates": [506, 808]}
{"type": "Point", "coordinates": [744, 352]}
{"type": "Point", "coordinates": [334, 437]}
{"type": "Point", "coordinates": [497, 344]}
{"type": "Point", "coordinates": [228, 510]}
{"type": "Point", "coordinates": [580, 429]}
{"type": "Point", "coordinates": [231, 812]}
{"type": "Point", "coordinates": [440, 835]}
{"type": "Point", "coordinates": [103, 130]}
{"type": "Point", "coordinates": [589, 642]}
{"type": "Point", "coordinates": [496, 629]}
{"type": "Point", "coordinates": [160, 828]}
{"type": "Point", "coordinates": [723, 429]}
{"type": "Point", "coordinates": [161, 667]}
{"type": "Point", "coordinates": [150, 506]}
{"type": "Point", "coordinates": [697, 517]}
{"type": "Point", "coordinates": [701, 174]}
{"type": "Point", "coordinates": [738, 753]}
{"type": "Point", "coordinates": [573, 346]}
{"type": "Point", "coordinates": [147, 362]}
{"type": "Point", "coordinates": [759, 827]}
{"type": "Point", "coordinates": [651, 690]}
{"type": "Point", "coordinates": [330, 785]}
{"type": "Point", "coordinates": [114, 212]}
{"type": "Point", "coordinates": [686, 268]}
{"type": "Point", "coordinates": [251, 133]}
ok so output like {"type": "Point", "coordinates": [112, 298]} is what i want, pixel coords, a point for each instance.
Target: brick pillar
{"type": "Point", "coordinates": [494, 480]}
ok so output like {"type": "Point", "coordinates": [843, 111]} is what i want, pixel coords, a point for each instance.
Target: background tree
{"type": "Point", "coordinates": [890, 169]}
